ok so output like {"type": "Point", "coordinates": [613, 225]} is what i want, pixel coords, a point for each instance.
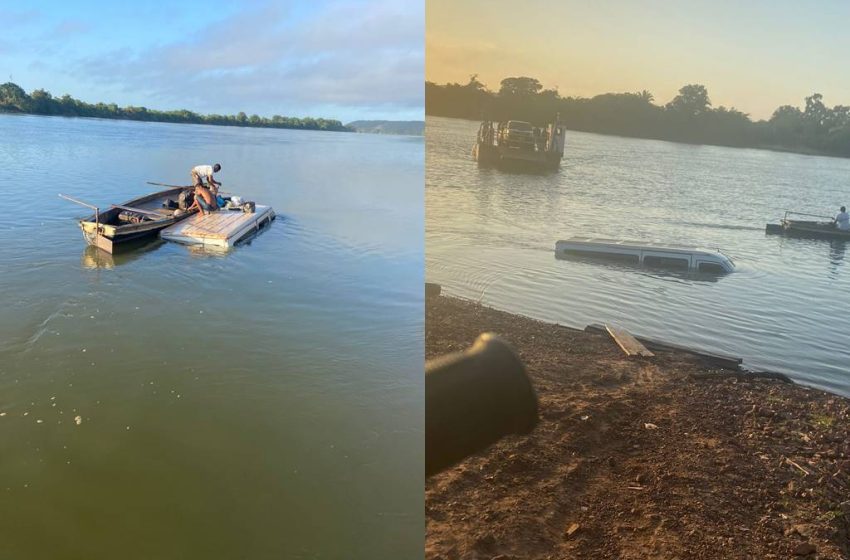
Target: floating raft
{"type": "Point", "coordinates": [224, 228]}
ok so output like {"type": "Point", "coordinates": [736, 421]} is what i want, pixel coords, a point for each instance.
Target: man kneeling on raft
{"type": "Point", "coordinates": [204, 200]}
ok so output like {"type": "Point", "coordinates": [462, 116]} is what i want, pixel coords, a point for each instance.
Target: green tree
{"type": "Point", "coordinates": [689, 117]}
{"type": "Point", "coordinates": [645, 96]}
{"type": "Point", "coordinates": [521, 86]}
{"type": "Point", "coordinates": [42, 102]}
{"type": "Point", "coordinates": [692, 100]}
{"type": "Point", "coordinates": [14, 98]}
{"type": "Point", "coordinates": [816, 112]}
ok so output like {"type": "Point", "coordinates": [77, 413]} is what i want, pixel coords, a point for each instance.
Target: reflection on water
{"type": "Point", "coordinates": [97, 258]}
{"type": "Point", "coordinates": [489, 237]}
{"type": "Point", "coordinates": [837, 248]}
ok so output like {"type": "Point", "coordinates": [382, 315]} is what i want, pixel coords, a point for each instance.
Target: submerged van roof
{"type": "Point", "coordinates": [643, 245]}
{"type": "Point", "coordinates": [622, 246]}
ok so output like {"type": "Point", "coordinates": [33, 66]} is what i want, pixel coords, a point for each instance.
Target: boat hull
{"type": "Point", "coordinates": [513, 159]}
{"type": "Point", "coordinates": [106, 232]}
{"type": "Point", "coordinates": [812, 230]}
{"type": "Point", "coordinates": [505, 148]}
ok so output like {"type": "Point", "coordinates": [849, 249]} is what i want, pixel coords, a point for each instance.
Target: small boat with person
{"type": "Point", "coordinates": [171, 215]}
{"type": "Point", "coordinates": [650, 254]}
{"type": "Point", "coordinates": [135, 219]}
{"type": "Point", "coordinates": [826, 228]}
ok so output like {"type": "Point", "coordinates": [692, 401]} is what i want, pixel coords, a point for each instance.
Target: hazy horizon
{"type": "Point", "coordinates": [754, 57]}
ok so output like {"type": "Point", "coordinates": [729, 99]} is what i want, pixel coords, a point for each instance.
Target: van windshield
{"type": "Point", "coordinates": [519, 125]}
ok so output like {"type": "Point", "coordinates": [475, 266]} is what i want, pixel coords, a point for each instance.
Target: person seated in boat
{"type": "Point", "coordinates": [842, 220]}
{"type": "Point", "coordinates": [202, 172]}
{"type": "Point", "coordinates": [205, 201]}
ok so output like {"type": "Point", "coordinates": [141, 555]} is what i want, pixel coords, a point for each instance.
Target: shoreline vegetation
{"type": "Point", "coordinates": [688, 118]}
{"type": "Point", "coordinates": [661, 457]}
{"type": "Point", "coordinates": [13, 99]}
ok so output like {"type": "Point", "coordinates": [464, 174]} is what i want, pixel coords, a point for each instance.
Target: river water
{"type": "Point", "coordinates": [490, 237]}
{"type": "Point", "coordinates": [264, 403]}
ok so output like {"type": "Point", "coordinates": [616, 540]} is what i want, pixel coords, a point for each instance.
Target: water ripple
{"type": "Point", "coordinates": [490, 237]}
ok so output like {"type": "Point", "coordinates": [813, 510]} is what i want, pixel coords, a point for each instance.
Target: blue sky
{"type": "Point", "coordinates": [344, 59]}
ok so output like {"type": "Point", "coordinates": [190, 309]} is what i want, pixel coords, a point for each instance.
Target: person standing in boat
{"type": "Point", "coordinates": [842, 220]}
{"type": "Point", "coordinates": [201, 172]}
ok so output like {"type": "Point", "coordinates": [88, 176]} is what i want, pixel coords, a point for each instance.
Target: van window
{"type": "Point", "coordinates": [666, 262]}
{"type": "Point", "coordinates": [711, 267]}
{"type": "Point", "coordinates": [617, 257]}
{"type": "Point", "coordinates": [602, 255]}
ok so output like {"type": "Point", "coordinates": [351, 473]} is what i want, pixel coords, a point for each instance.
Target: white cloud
{"type": "Point", "coordinates": [363, 55]}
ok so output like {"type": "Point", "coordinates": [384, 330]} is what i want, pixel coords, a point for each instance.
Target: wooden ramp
{"type": "Point", "coordinates": [627, 342]}
{"type": "Point", "coordinates": [223, 228]}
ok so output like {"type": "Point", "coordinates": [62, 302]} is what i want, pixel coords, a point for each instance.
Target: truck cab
{"type": "Point", "coordinates": [517, 134]}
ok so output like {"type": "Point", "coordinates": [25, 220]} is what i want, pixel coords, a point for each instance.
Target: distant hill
{"type": "Point", "coordinates": [411, 128]}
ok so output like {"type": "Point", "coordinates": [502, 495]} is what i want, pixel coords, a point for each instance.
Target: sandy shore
{"type": "Point", "coordinates": [660, 457]}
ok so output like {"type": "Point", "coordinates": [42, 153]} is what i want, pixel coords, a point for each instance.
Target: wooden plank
{"type": "Point", "coordinates": [212, 225]}
{"type": "Point", "coordinates": [627, 342]}
{"type": "Point", "coordinates": [217, 228]}
{"type": "Point", "coordinates": [718, 360]}
{"type": "Point", "coordinates": [215, 223]}
{"type": "Point", "coordinates": [228, 223]}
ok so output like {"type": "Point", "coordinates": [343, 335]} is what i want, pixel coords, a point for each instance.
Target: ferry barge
{"type": "Point", "coordinates": [517, 145]}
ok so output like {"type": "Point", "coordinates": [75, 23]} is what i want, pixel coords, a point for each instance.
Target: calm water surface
{"type": "Point", "coordinates": [265, 403]}
{"type": "Point", "coordinates": [490, 236]}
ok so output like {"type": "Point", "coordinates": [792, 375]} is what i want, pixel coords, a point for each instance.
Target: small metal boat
{"type": "Point", "coordinates": [135, 219]}
{"type": "Point", "coordinates": [803, 228]}
{"type": "Point", "coordinates": [661, 255]}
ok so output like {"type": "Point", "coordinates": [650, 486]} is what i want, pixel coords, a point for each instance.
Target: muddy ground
{"type": "Point", "coordinates": [659, 457]}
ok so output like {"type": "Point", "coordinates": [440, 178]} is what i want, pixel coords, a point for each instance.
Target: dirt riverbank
{"type": "Point", "coordinates": [660, 457]}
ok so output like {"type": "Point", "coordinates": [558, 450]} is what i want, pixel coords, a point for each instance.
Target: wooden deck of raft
{"type": "Point", "coordinates": [223, 228]}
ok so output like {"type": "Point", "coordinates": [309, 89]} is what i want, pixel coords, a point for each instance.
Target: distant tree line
{"type": "Point", "coordinates": [409, 128]}
{"type": "Point", "coordinates": [13, 99]}
{"type": "Point", "coordinates": [689, 117]}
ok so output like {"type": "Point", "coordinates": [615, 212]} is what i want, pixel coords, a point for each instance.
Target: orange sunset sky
{"type": "Point", "coordinates": [755, 56]}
